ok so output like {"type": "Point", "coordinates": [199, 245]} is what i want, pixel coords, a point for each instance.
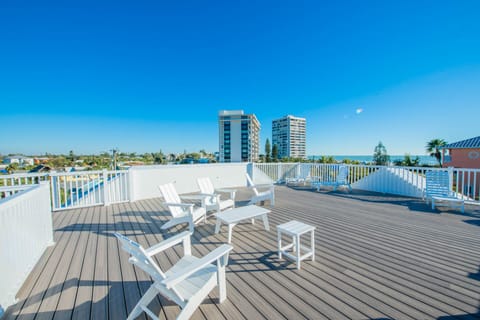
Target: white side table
{"type": "Point", "coordinates": [295, 229]}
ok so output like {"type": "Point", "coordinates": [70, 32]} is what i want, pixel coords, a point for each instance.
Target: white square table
{"type": "Point", "coordinates": [234, 216]}
{"type": "Point", "coordinates": [295, 229]}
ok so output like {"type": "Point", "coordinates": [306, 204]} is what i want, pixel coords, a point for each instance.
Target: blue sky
{"type": "Point", "coordinates": [148, 75]}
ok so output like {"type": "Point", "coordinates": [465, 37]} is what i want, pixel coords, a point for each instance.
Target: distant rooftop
{"type": "Point", "coordinates": [469, 143]}
{"type": "Point", "coordinates": [230, 112]}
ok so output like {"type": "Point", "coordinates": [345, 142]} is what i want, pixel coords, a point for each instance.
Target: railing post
{"type": "Point", "coordinates": [106, 189]}
{"type": "Point", "coordinates": [250, 170]}
{"type": "Point", "coordinates": [130, 183]}
{"type": "Point", "coordinates": [450, 178]}
{"type": "Point", "coordinates": [279, 173]}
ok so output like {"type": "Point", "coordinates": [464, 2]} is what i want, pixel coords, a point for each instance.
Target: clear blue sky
{"type": "Point", "coordinates": [149, 75]}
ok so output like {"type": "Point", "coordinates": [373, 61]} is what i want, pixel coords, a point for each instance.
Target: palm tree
{"type": "Point", "coordinates": [433, 148]}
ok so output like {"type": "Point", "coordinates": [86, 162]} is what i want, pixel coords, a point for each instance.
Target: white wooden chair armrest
{"type": "Point", "coordinates": [195, 196]}
{"type": "Point", "coordinates": [182, 274]}
{"type": "Point", "coordinates": [209, 194]}
{"type": "Point", "coordinates": [170, 242]}
{"type": "Point", "coordinates": [262, 186]}
{"type": "Point", "coordinates": [228, 190]}
{"type": "Point", "coordinates": [182, 205]}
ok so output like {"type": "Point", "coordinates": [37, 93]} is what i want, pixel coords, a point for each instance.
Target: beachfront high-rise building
{"type": "Point", "coordinates": [288, 133]}
{"type": "Point", "coordinates": [239, 136]}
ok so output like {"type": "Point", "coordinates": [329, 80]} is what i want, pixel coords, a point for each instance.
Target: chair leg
{"type": "Point", "coordinates": [194, 302]}
{"type": "Point", "coordinates": [217, 226]}
{"type": "Point", "coordinates": [144, 302]}
{"type": "Point", "coordinates": [222, 284]}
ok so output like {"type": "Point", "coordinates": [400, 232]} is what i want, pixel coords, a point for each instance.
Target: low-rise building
{"type": "Point", "coordinates": [21, 160]}
{"type": "Point", "coordinates": [462, 154]}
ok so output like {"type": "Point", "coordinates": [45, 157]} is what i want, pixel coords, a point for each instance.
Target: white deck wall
{"type": "Point", "coordinates": [25, 233]}
{"type": "Point", "coordinates": [144, 180]}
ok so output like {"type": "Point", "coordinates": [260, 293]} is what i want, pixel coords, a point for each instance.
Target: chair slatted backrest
{"type": "Point", "coordinates": [170, 194]}
{"type": "Point", "coordinates": [206, 186]}
{"type": "Point", "coordinates": [342, 175]}
{"type": "Point", "coordinates": [250, 183]}
{"type": "Point", "coordinates": [140, 258]}
{"type": "Point", "coordinates": [304, 171]}
{"type": "Point", "coordinates": [438, 183]}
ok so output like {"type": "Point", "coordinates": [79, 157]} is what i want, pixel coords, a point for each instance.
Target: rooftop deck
{"type": "Point", "coordinates": [377, 257]}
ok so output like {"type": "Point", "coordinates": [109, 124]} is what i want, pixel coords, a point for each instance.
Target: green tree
{"type": "Point", "coordinates": [275, 152]}
{"type": "Point", "coordinates": [158, 157]}
{"type": "Point", "coordinates": [267, 150]}
{"type": "Point", "coordinates": [408, 161]}
{"type": "Point", "coordinates": [12, 167]}
{"type": "Point", "coordinates": [326, 159]}
{"type": "Point", "coordinates": [147, 158]}
{"type": "Point", "coordinates": [71, 157]}
{"type": "Point", "coordinates": [380, 156]}
{"type": "Point", "coordinates": [433, 148]}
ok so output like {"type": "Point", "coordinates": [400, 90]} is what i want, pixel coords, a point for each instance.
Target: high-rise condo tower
{"type": "Point", "coordinates": [288, 133]}
{"type": "Point", "coordinates": [239, 139]}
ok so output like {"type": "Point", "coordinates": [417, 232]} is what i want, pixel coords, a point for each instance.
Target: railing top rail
{"type": "Point", "coordinates": [367, 166]}
{"type": "Point", "coordinates": [85, 173]}
{"type": "Point", "coordinates": [16, 188]}
{"type": "Point", "coordinates": [24, 189]}
{"type": "Point", "coordinates": [24, 175]}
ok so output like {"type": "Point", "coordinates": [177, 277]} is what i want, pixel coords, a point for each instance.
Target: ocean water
{"type": "Point", "coordinates": [424, 160]}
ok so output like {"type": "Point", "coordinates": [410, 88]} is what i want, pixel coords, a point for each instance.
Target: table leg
{"type": "Point", "coordinates": [265, 222]}
{"type": "Point", "coordinates": [279, 240]}
{"type": "Point", "coordinates": [312, 243]}
{"type": "Point", "coordinates": [297, 246]}
{"type": "Point", "coordinates": [230, 228]}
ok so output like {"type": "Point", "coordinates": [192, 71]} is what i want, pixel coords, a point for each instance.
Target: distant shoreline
{"type": "Point", "coordinates": [424, 159]}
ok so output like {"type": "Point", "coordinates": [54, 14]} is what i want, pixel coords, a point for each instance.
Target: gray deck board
{"type": "Point", "coordinates": [377, 257]}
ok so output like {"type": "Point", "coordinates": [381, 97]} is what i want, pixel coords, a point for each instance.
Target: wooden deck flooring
{"type": "Point", "coordinates": [377, 257]}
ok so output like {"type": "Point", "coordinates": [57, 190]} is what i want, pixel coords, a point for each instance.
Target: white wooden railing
{"type": "Point", "coordinates": [405, 181]}
{"type": "Point", "coordinates": [11, 184]}
{"type": "Point", "coordinates": [25, 233]}
{"type": "Point", "coordinates": [88, 188]}
{"type": "Point", "coordinates": [73, 189]}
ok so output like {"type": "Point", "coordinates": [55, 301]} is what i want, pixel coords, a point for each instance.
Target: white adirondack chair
{"type": "Point", "coordinates": [302, 175]}
{"type": "Point", "coordinates": [212, 200]}
{"type": "Point", "coordinates": [438, 190]}
{"type": "Point", "coordinates": [181, 212]}
{"type": "Point", "coordinates": [267, 192]}
{"type": "Point", "coordinates": [341, 179]}
{"type": "Point", "coordinates": [187, 282]}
